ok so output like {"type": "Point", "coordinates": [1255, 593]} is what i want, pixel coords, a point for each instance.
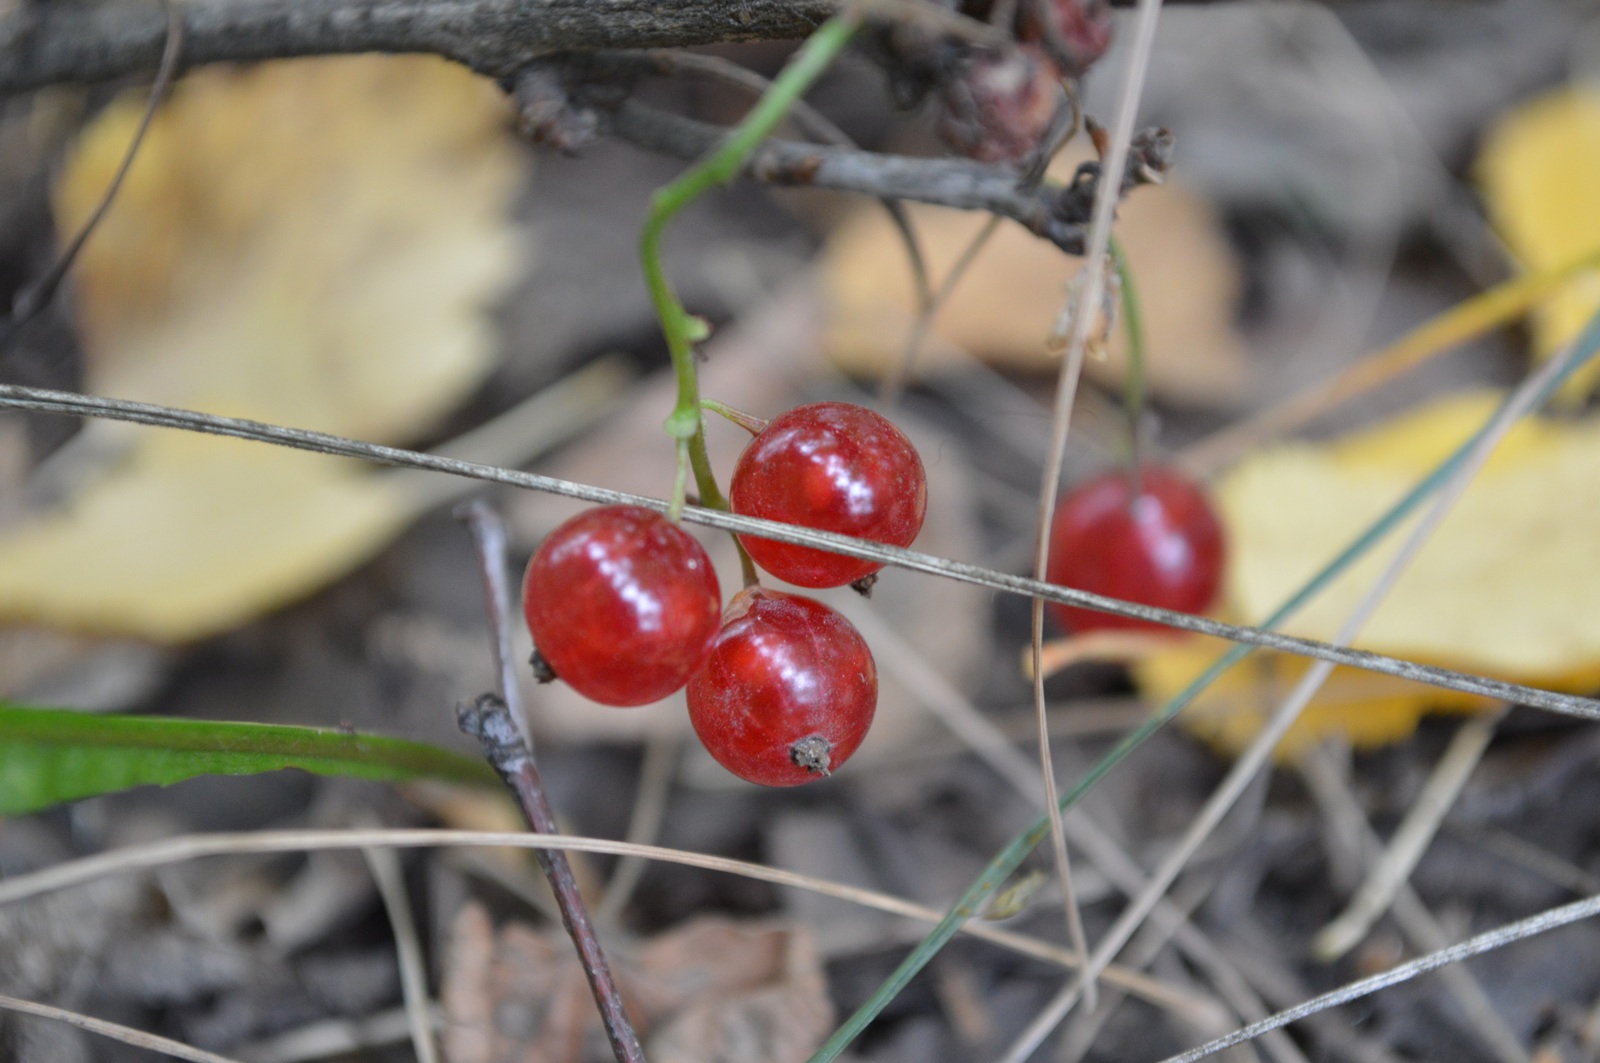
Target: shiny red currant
{"type": "Point", "coordinates": [788, 692]}
{"type": "Point", "coordinates": [1163, 546]}
{"type": "Point", "coordinates": [833, 466]}
{"type": "Point", "coordinates": [623, 604]}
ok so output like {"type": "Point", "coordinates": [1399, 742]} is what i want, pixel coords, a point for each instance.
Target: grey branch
{"type": "Point", "coordinates": [71, 403]}
{"type": "Point", "coordinates": [52, 43]}
{"type": "Point", "coordinates": [1059, 215]}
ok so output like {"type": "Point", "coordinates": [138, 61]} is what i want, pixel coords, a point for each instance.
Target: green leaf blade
{"type": "Point", "coordinates": [52, 756]}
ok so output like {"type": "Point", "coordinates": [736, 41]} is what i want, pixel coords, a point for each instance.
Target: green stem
{"type": "Point", "coordinates": [749, 422]}
{"type": "Point", "coordinates": [1000, 869]}
{"type": "Point", "coordinates": [722, 166]}
{"type": "Point", "coordinates": [1133, 390]}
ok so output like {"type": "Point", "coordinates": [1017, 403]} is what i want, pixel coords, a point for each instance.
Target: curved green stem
{"type": "Point", "coordinates": [681, 329]}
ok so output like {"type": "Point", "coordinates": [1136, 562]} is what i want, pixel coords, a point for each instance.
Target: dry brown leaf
{"type": "Point", "coordinates": [311, 243]}
{"type": "Point", "coordinates": [1187, 279]}
{"type": "Point", "coordinates": [711, 991]}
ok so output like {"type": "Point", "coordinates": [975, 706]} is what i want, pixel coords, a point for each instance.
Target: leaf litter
{"type": "Point", "coordinates": [1268, 891]}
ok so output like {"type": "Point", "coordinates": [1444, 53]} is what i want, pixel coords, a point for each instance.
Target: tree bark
{"type": "Point", "coordinates": [46, 43]}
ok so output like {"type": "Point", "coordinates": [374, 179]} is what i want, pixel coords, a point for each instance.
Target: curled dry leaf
{"type": "Point", "coordinates": [1538, 170]}
{"type": "Point", "coordinates": [1005, 306]}
{"type": "Point", "coordinates": [1504, 588]}
{"type": "Point", "coordinates": [312, 243]}
{"type": "Point", "coordinates": [711, 991]}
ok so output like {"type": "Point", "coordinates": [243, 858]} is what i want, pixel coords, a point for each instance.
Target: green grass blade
{"type": "Point", "coordinates": [48, 756]}
{"type": "Point", "coordinates": [1133, 388]}
{"type": "Point", "coordinates": [1001, 868]}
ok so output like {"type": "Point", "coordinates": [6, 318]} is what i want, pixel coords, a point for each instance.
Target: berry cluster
{"type": "Point", "coordinates": [624, 605]}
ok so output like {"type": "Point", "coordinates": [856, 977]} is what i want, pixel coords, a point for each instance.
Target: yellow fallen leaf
{"type": "Point", "coordinates": [1007, 302]}
{"type": "Point", "coordinates": [1505, 587]}
{"type": "Point", "coordinates": [1538, 170]}
{"type": "Point", "coordinates": [312, 243]}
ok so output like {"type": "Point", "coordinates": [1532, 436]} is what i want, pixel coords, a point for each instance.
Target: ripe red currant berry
{"type": "Point", "coordinates": [833, 466]}
{"type": "Point", "coordinates": [1162, 547]}
{"type": "Point", "coordinates": [788, 692]}
{"type": "Point", "coordinates": [623, 604]}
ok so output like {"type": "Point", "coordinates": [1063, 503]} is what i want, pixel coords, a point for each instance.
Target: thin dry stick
{"type": "Point", "coordinates": [1437, 336]}
{"type": "Point", "coordinates": [1256, 756]}
{"type": "Point", "coordinates": [983, 738]}
{"type": "Point", "coordinates": [1410, 840]}
{"type": "Point", "coordinates": [1083, 316]}
{"type": "Point", "coordinates": [538, 424]}
{"type": "Point", "coordinates": [1112, 644]}
{"type": "Point", "coordinates": [335, 1037]}
{"type": "Point", "coordinates": [1488, 941]}
{"type": "Point", "coordinates": [489, 536]}
{"type": "Point", "coordinates": [385, 867]}
{"type": "Point", "coordinates": [662, 755]}
{"type": "Point", "coordinates": [45, 400]}
{"type": "Point", "coordinates": [1522, 853]}
{"type": "Point", "coordinates": [194, 846]}
{"type": "Point", "coordinates": [491, 721]}
{"type": "Point", "coordinates": [929, 303]}
{"type": "Point", "coordinates": [115, 1031]}
{"type": "Point", "coordinates": [533, 891]}
{"type": "Point", "coordinates": [1145, 948]}
{"type": "Point", "coordinates": [1255, 951]}
{"type": "Point", "coordinates": [1357, 843]}
{"type": "Point", "coordinates": [32, 300]}
{"type": "Point", "coordinates": [927, 309]}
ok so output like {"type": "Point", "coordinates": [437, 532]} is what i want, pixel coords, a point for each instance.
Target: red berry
{"type": "Point", "coordinates": [622, 604]}
{"type": "Point", "coordinates": [788, 693]}
{"type": "Point", "coordinates": [833, 466]}
{"type": "Point", "coordinates": [1161, 548]}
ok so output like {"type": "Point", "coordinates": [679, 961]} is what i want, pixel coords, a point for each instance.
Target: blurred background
{"type": "Point", "coordinates": [365, 246]}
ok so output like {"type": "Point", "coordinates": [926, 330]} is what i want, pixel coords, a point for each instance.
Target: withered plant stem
{"type": "Point", "coordinates": [489, 719]}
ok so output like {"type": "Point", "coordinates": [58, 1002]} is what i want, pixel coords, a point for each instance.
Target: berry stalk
{"type": "Point", "coordinates": [682, 330]}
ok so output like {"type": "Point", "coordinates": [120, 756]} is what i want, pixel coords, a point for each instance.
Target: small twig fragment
{"type": "Point", "coordinates": [490, 721]}
{"type": "Point", "coordinates": [31, 301]}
